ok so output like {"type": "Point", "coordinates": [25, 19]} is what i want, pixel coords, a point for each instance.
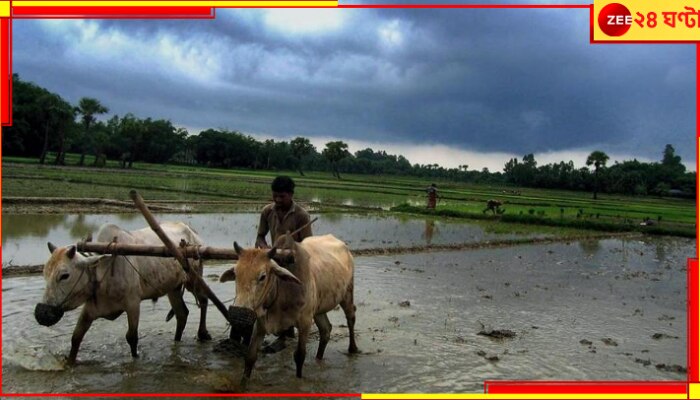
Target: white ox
{"type": "Point", "coordinates": [322, 278]}
{"type": "Point", "coordinates": [109, 285]}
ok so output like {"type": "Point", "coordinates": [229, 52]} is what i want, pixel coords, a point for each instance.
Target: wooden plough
{"type": "Point", "coordinates": [181, 252]}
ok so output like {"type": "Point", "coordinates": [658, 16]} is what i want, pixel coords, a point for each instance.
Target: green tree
{"type": "Point", "coordinates": [597, 159]}
{"type": "Point", "coordinates": [161, 140]}
{"type": "Point", "coordinates": [132, 130]}
{"type": "Point", "coordinates": [301, 147]}
{"type": "Point", "coordinates": [88, 107]}
{"type": "Point", "coordinates": [57, 115]}
{"type": "Point", "coordinates": [672, 163]}
{"type": "Point", "coordinates": [30, 115]}
{"type": "Point", "coordinates": [334, 153]}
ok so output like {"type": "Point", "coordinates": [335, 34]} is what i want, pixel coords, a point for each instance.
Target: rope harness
{"type": "Point", "coordinates": [95, 283]}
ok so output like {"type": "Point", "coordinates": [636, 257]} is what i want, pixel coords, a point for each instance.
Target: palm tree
{"type": "Point", "coordinates": [88, 108]}
{"type": "Point", "coordinates": [598, 159]}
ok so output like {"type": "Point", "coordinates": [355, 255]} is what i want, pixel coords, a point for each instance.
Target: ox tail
{"type": "Point", "coordinates": [170, 316]}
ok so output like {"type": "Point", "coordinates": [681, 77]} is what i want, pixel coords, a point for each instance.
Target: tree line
{"type": "Point", "coordinates": [44, 122]}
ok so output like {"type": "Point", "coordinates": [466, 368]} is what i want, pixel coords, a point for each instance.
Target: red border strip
{"type": "Point", "coordinates": [693, 310]}
{"type": "Point", "coordinates": [6, 71]}
{"type": "Point", "coordinates": [112, 12]}
{"type": "Point", "coordinates": [502, 387]}
{"type": "Point", "coordinates": [357, 395]}
{"type": "Point", "coordinates": [495, 6]}
{"type": "Point", "coordinates": [551, 387]}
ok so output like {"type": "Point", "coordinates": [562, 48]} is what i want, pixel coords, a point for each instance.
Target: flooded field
{"type": "Point", "coordinates": [24, 237]}
{"type": "Point", "coordinates": [598, 310]}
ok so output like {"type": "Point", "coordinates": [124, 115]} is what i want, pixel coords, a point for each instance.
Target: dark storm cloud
{"type": "Point", "coordinates": [514, 81]}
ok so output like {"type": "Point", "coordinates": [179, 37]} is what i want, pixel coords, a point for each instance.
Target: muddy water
{"type": "Point", "coordinates": [587, 310]}
{"type": "Point", "coordinates": [24, 237]}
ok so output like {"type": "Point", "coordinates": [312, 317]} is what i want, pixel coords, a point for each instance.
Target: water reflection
{"type": "Point", "coordinates": [430, 230]}
{"type": "Point", "coordinates": [590, 247]}
{"type": "Point", "coordinates": [24, 236]}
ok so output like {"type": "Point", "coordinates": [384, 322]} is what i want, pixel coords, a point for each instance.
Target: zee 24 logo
{"type": "Point", "coordinates": [615, 19]}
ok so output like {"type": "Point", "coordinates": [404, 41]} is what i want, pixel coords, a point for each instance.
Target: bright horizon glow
{"type": "Point", "coordinates": [303, 20]}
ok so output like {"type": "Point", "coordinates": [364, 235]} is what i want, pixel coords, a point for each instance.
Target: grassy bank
{"type": "Point", "coordinates": [579, 223]}
{"type": "Point", "coordinates": [187, 184]}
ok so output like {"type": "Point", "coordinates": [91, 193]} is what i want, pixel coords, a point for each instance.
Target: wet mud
{"type": "Point", "coordinates": [609, 309]}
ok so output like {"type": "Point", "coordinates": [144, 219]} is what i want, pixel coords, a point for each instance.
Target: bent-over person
{"type": "Point", "coordinates": [432, 196]}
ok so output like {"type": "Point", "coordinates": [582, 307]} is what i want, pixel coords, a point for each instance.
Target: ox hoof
{"type": "Point", "coordinates": [203, 336]}
{"type": "Point", "coordinates": [275, 347]}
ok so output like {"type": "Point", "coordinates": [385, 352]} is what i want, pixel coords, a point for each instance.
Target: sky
{"type": "Point", "coordinates": [446, 86]}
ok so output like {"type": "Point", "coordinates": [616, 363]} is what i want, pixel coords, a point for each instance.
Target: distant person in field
{"type": "Point", "coordinates": [281, 216]}
{"type": "Point", "coordinates": [493, 206]}
{"type": "Point", "coordinates": [432, 195]}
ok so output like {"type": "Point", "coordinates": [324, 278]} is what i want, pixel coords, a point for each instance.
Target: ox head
{"type": "Point", "coordinates": [67, 283]}
{"type": "Point", "coordinates": [256, 274]}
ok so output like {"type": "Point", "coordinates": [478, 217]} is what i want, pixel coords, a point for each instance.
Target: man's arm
{"type": "Point", "coordinates": [263, 228]}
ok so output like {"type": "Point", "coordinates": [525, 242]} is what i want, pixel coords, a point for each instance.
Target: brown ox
{"type": "Point", "coordinates": [109, 285]}
{"type": "Point", "coordinates": [322, 279]}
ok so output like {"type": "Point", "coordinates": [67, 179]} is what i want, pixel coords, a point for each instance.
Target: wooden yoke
{"type": "Point", "coordinates": [179, 256]}
{"type": "Point", "coordinates": [189, 251]}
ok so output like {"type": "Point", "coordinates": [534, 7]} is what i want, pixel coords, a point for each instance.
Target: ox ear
{"type": "Point", "coordinates": [89, 262]}
{"type": "Point", "coordinates": [52, 247]}
{"type": "Point", "coordinates": [238, 248]}
{"type": "Point", "coordinates": [71, 252]}
{"type": "Point", "coordinates": [284, 274]}
{"type": "Point", "coordinates": [228, 275]}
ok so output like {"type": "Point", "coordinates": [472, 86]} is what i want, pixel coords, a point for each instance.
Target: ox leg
{"type": "Point", "coordinates": [84, 322]}
{"type": "Point", "coordinates": [349, 308]}
{"type": "Point", "coordinates": [132, 334]}
{"type": "Point", "coordinates": [324, 329]}
{"type": "Point", "coordinates": [300, 353]}
{"type": "Point", "coordinates": [181, 312]}
{"type": "Point", "coordinates": [202, 333]}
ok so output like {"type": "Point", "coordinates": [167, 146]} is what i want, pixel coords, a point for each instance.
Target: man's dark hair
{"type": "Point", "coordinates": [283, 184]}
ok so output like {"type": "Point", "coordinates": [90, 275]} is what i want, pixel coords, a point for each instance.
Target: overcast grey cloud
{"type": "Point", "coordinates": [455, 85]}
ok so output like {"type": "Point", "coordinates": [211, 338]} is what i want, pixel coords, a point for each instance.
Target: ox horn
{"type": "Point", "coordinates": [272, 252]}
{"type": "Point", "coordinates": [52, 247]}
{"type": "Point", "coordinates": [90, 261]}
{"type": "Point", "coordinates": [289, 241]}
{"type": "Point", "coordinates": [71, 252]}
{"type": "Point", "coordinates": [284, 274]}
{"type": "Point", "coordinates": [238, 248]}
